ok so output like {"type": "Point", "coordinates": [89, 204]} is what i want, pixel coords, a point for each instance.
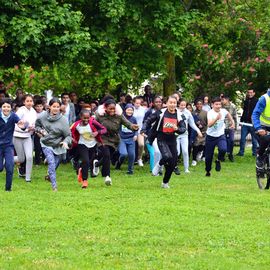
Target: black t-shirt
{"type": "Point", "coordinates": [166, 130]}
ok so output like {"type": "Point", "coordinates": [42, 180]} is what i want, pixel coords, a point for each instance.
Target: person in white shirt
{"type": "Point", "coordinates": [139, 113]}
{"type": "Point", "coordinates": [22, 136]}
{"type": "Point", "coordinates": [182, 140]}
{"type": "Point", "coordinates": [215, 134]}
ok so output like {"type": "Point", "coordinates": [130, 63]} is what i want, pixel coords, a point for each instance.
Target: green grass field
{"type": "Point", "coordinates": [221, 222]}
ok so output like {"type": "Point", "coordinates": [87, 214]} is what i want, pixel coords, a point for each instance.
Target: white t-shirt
{"type": "Point", "coordinates": [86, 136]}
{"type": "Point", "coordinates": [139, 115]}
{"type": "Point", "coordinates": [218, 128]}
{"type": "Point", "coordinates": [29, 117]}
{"type": "Point", "coordinates": [67, 112]}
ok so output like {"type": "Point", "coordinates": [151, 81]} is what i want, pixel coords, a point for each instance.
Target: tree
{"type": "Point", "coordinates": [40, 32]}
{"type": "Point", "coordinates": [227, 50]}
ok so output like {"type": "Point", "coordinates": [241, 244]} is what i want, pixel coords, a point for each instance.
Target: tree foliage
{"type": "Point", "coordinates": [40, 32]}
{"type": "Point", "coordinates": [95, 46]}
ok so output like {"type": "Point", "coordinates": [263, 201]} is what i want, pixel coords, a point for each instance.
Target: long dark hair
{"type": "Point", "coordinates": [55, 100]}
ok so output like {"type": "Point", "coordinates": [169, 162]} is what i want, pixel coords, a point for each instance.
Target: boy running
{"type": "Point", "coordinates": [215, 134]}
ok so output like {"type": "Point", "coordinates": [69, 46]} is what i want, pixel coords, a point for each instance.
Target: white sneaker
{"type": "Point", "coordinates": [140, 163]}
{"type": "Point", "coordinates": [193, 163]}
{"type": "Point", "coordinates": [163, 185]}
{"type": "Point", "coordinates": [203, 159]}
{"type": "Point", "coordinates": [156, 169]}
{"type": "Point", "coordinates": [187, 171]}
{"type": "Point", "coordinates": [108, 181]}
{"type": "Point", "coordinates": [95, 168]}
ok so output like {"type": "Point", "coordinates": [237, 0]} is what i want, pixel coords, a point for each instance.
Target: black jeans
{"type": "Point", "coordinates": [38, 150]}
{"type": "Point", "coordinates": [168, 158]}
{"type": "Point", "coordinates": [87, 156]}
{"type": "Point", "coordinates": [108, 153]}
{"type": "Point", "coordinates": [264, 141]}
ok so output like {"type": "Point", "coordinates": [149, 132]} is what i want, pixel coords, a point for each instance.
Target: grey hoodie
{"type": "Point", "coordinates": [57, 131]}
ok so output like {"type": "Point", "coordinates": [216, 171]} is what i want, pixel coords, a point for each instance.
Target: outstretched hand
{"type": "Point", "coordinates": [64, 145]}
{"type": "Point", "coordinates": [135, 127]}
{"type": "Point", "coordinates": [200, 134]}
{"type": "Point", "coordinates": [20, 124]}
{"type": "Point", "coordinates": [262, 132]}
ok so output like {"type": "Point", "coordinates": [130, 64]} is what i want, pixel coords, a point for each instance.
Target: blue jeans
{"type": "Point", "coordinates": [245, 130]}
{"type": "Point", "coordinates": [229, 133]}
{"type": "Point", "coordinates": [127, 149]}
{"type": "Point", "coordinates": [7, 153]}
{"type": "Point", "coordinates": [210, 144]}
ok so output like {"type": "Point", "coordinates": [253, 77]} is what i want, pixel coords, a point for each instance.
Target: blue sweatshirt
{"type": "Point", "coordinates": [126, 133]}
{"type": "Point", "coordinates": [260, 106]}
{"type": "Point", "coordinates": [7, 129]}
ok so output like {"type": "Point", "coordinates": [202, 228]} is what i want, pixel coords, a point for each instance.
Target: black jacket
{"type": "Point", "coordinates": [249, 105]}
{"type": "Point", "coordinates": [154, 119]}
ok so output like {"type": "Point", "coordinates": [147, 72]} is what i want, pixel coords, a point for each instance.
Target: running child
{"type": "Point", "coordinates": [168, 123]}
{"type": "Point", "coordinates": [8, 119]}
{"type": "Point", "coordinates": [215, 134]}
{"type": "Point", "coordinates": [85, 134]}
{"type": "Point", "coordinates": [23, 136]}
{"type": "Point", "coordinates": [56, 137]}
{"type": "Point", "coordinates": [127, 142]}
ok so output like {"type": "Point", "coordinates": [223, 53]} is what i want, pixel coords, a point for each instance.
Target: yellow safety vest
{"type": "Point", "coordinates": [265, 115]}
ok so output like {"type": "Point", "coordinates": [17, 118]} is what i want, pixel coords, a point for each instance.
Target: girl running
{"type": "Point", "coordinates": [56, 137]}
{"type": "Point", "coordinates": [153, 150]}
{"type": "Point", "coordinates": [182, 140]}
{"type": "Point", "coordinates": [169, 122]}
{"type": "Point", "coordinates": [139, 113]}
{"type": "Point", "coordinates": [22, 136]}
{"type": "Point", "coordinates": [85, 134]}
{"type": "Point", "coordinates": [8, 119]}
{"type": "Point", "coordinates": [112, 121]}
{"type": "Point", "coordinates": [127, 142]}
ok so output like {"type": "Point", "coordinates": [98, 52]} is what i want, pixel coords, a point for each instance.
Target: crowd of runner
{"type": "Point", "coordinates": [96, 135]}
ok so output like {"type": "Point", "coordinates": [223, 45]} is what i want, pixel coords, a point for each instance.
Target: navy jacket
{"type": "Point", "coordinates": [7, 129]}
{"type": "Point", "coordinates": [126, 133]}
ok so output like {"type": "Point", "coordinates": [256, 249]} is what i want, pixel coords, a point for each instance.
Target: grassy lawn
{"type": "Point", "coordinates": [221, 222]}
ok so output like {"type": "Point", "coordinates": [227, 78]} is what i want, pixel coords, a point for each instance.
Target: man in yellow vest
{"type": "Point", "coordinates": [261, 122]}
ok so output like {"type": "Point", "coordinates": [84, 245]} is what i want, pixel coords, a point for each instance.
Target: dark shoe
{"type": "Point", "coordinates": [240, 155]}
{"type": "Point", "coordinates": [75, 164]}
{"type": "Point", "coordinates": [47, 178]}
{"type": "Point", "coordinates": [117, 165]}
{"type": "Point", "coordinates": [129, 172]}
{"type": "Point", "coordinates": [176, 171]}
{"type": "Point", "coordinates": [260, 163]}
{"type": "Point", "coordinates": [218, 166]}
{"type": "Point", "coordinates": [208, 174]}
{"type": "Point", "coordinates": [231, 158]}
{"type": "Point", "coordinates": [21, 171]}
{"type": "Point", "coordinates": [222, 159]}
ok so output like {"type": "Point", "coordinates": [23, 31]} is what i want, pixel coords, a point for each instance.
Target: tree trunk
{"type": "Point", "coordinates": [169, 83]}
